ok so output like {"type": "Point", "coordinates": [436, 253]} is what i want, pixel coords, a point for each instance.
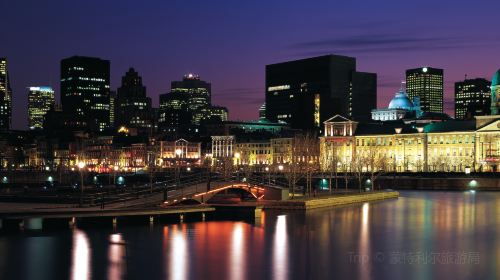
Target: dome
{"type": "Point", "coordinates": [495, 81]}
{"type": "Point", "coordinates": [401, 101]}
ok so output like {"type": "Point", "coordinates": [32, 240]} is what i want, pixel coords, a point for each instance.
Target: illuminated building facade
{"type": "Point", "coordinates": [304, 93]}
{"type": "Point", "coordinates": [85, 91]}
{"type": "Point", "coordinates": [178, 152]}
{"type": "Point", "coordinates": [426, 83]}
{"type": "Point", "coordinates": [281, 150]}
{"type": "Point", "coordinates": [132, 105]}
{"type": "Point", "coordinates": [5, 96]}
{"type": "Point", "coordinates": [222, 146]}
{"type": "Point", "coordinates": [253, 153]}
{"type": "Point", "coordinates": [495, 94]}
{"type": "Point", "coordinates": [472, 98]}
{"type": "Point", "coordinates": [444, 146]}
{"type": "Point", "coordinates": [40, 101]}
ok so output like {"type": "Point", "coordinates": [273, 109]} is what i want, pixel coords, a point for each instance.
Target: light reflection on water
{"type": "Point", "coordinates": [283, 245]}
{"type": "Point", "coordinates": [116, 255]}
{"type": "Point", "coordinates": [280, 249]}
{"type": "Point", "coordinates": [364, 242]}
{"type": "Point", "coordinates": [81, 261]}
{"type": "Point", "coordinates": [237, 264]}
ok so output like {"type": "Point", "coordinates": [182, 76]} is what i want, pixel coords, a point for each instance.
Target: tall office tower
{"type": "Point", "coordinates": [472, 98]}
{"type": "Point", "coordinates": [426, 83]}
{"type": "Point", "coordinates": [112, 108]}
{"type": "Point", "coordinates": [186, 102]}
{"type": "Point", "coordinates": [133, 107]}
{"type": "Point", "coordinates": [305, 93]}
{"type": "Point", "coordinates": [85, 91]}
{"type": "Point", "coordinates": [495, 94]}
{"type": "Point", "coordinates": [40, 101]}
{"type": "Point", "coordinates": [5, 96]}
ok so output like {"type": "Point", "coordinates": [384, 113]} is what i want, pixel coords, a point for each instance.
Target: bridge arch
{"type": "Point", "coordinates": [204, 197]}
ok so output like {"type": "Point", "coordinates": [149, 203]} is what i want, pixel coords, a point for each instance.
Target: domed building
{"type": "Point", "coordinates": [495, 93]}
{"type": "Point", "coordinates": [400, 107]}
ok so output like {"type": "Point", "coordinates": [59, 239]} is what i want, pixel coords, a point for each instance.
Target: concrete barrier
{"type": "Point", "coordinates": [320, 202]}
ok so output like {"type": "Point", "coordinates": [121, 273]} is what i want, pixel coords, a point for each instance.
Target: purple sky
{"type": "Point", "coordinates": [229, 42]}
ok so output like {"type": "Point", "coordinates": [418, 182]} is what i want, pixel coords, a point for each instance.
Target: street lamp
{"type": "Point", "coordinates": [115, 169]}
{"type": "Point", "coordinates": [81, 165]}
{"type": "Point", "coordinates": [178, 153]}
{"type": "Point", "coordinates": [237, 157]}
{"type": "Point", "coordinates": [268, 175]}
{"type": "Point", "coordinates": [280, 167]}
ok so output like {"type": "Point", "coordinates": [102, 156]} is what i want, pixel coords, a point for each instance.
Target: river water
{"type": "Point", "coordinates": [421, 235]}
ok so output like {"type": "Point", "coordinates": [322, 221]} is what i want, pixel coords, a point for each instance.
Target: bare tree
{"type": "Point", "coordinates": [332, 162]}
{"type": "Point", "coordinates": [358, 166]}
{"type": "Point", "coordinates": [304, 161]}
{"type": "Point", "coordinates": [346, 175]}
{"type": "Point", "coordinates": [376, 163]}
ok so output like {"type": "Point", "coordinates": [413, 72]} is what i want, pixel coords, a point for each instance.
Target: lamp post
{"type": "Point", "coordinates": [81, 166]}
{"type": "Point", "coordinates": [237, 157]}
{"type": "Point", "coordinates": [268, 175]}
{"type": "Point", "coordinates": [178, 153]}
{"type": "Point", "coordinates": [115, 169]}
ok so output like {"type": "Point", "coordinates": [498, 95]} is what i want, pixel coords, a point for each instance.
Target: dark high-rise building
{"type": "Point", "coordinates": [85, 91]}
{"type": "Point", "coordinates": [210, 114]}
{"type": "Point", "coordinates": [198, 92]}
{"type": "Point", "coordinates": [5, 96]}
{"type": "Point", "coordinates": [472, 98]}
{"type": "Point", "coordinates": [112, 108]}
{"type": "Point", "coordinates": [188, 103]}
{"type": "Point", "coordinates": [40, 101]}
{"type": "Point", "coordinates": [426, 83]}
{"type": "Point", "coordinates": [305, 93]}
{"type": "Point", "coordinates": [132, 106]}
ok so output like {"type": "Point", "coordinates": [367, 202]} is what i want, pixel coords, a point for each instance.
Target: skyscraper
{"type": "Point", "coordinates": [426, 83]}
{"type": "Point", "coordinates": [112, 108]}
{"type": "Point", "coordinates": [472, 98]}
{"type": "Point", "coordinates": [5, 96]}
{"type": "Point", "coordinates": [85, 91]}
{"type": "Point", "coordinates": [40, 101]}
{"type": "Point", "coordinates": [132, 106]}
{"type": "Point", "coordinates": [495, 94]}
{"type": "Point", "coordinates": [304, 93]}
{"type": "Point", "coordinates": [188, 103]}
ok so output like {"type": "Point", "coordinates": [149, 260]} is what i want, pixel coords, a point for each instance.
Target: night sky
{"type": "Point", "coordinates": [229, 42]}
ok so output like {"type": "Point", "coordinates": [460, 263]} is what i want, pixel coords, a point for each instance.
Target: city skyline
{"type": "Point", "coordinates": [202, 45]}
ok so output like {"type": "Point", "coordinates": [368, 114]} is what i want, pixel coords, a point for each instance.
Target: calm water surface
{"type": "Point", "coordinates": [422, 235]}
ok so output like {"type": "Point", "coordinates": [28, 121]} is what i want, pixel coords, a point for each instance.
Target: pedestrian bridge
{"type": "Point", "coordinates": [228, 191]}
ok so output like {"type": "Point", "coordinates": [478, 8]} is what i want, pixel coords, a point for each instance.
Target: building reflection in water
{"type": "Point", "coordinates": [237, 263]}
{"type": "Point", "coordinates": [81, 259]}
{"type": "Point", "coordinates": [116, 256]}
{"type": "Point", "coordinates": [177, 254]}
{"type": "Point", "coordinates": [280, 249]}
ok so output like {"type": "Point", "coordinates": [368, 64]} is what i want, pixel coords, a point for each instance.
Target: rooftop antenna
{"type": "Point", "coordinates": [465, 77]}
